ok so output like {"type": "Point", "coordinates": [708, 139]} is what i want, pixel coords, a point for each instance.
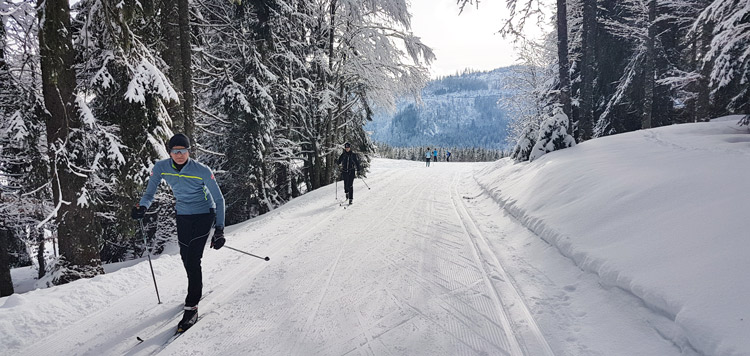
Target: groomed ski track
{"type": "Point", "coordinates": [409, 269]}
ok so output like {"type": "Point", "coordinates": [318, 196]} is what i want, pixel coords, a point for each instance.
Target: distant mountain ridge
{"type": "Point", "coordinates": [457, 111]}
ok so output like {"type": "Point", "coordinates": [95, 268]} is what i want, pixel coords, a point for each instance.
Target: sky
{"type": "Point", "coordinates": [631, 244]}
{"type": "Point", "coordinates": [469, 40]}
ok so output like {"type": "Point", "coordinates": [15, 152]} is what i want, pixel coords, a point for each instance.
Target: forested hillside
{"type": "Point", "coordinates": [462, 110]}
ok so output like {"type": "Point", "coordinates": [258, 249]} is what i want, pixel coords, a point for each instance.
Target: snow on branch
{"type": "Point", "coordinates": [148, 78]}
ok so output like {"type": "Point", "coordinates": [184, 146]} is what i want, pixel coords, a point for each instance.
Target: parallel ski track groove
{"type": "Point", "coordinates": [290, 243]}
{"type": "Point", "coordinates": [468, 222]}
{"type": "Point", "coordinates": [441, 285]}
{"type": "Point", "coordinates": [514, 348]}
{"type": "Point", "coordinates": [343, 245]}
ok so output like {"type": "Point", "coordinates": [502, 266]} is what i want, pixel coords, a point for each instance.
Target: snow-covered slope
{"type": "Point", "coordinates": [660, 213]}
{"type": "Point", "coordinates": [627, 245]}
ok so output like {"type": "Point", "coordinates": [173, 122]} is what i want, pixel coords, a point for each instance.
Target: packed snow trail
{"type": "Point", "coordinates": [416, 266]}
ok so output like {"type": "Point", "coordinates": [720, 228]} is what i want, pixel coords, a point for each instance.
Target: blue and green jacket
{"type": "Point", "coordinates": [194, 187]}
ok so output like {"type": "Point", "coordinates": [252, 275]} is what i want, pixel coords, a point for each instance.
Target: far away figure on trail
{"type": "Point", "coordinates": [349, 162]}
{"type": "Point", "coordinates": [434, 154]}
{"type": "Point", "coordinates": [447, 156]}
{"type": "Point", "coordinates": [427, 156]}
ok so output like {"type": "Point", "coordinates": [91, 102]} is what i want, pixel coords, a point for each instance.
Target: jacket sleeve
{"type": "Point", "coordinates": [153, 184]}
{"type": "Point", "coordinates": [213, 187]}
{"type": "Point", "coordinates": [338, 161]}
{"type": "Point", "coordinates": [356, 161]}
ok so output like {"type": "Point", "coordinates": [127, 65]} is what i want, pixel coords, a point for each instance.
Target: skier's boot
{"type": "Point", "coordinates": [350, 201]}
{"type": "Point", "coordinates": [188, 319]}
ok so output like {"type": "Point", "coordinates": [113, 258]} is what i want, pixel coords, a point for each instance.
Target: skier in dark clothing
{"type": "Point", "coordinates": [200, 206]}
{"type": "Point", "coordinates": [349, 162]}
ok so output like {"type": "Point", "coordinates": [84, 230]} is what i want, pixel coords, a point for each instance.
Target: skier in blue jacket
{"type": "Point", "coordinates": [200, 206]}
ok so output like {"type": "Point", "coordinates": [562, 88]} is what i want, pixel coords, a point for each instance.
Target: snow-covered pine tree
{"type": "Point", "coordinates": [119, 70]}
{"type": "Point", "coordinates": [725, 65]}
{"type": "Point", "coordinates": [553, 135]}
{"type": "Point", "coordinates": [532, 84]}
{"type": "Point", "coordinates": [525, 142]}
{"type": "Point", "coordinates": [641, 32]}
{"type": "Point", "coordinates": [240, 116]}
{"type": "Point", "coordinates": [291, 95]}
{"type": "Point", "coordinates": [26, 194]}
{"type": "Point", "coordinates": [71, 159]}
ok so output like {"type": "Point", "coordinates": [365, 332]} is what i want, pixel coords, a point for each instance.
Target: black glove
{"type": "Point", "coordinates": [138, 212]}
{"type": "Point", "coordinates": [218, 240]}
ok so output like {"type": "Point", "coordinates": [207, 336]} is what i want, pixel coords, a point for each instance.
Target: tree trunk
{"type": "Point", "coordinates": [186, 68]}
{"type": "Point", "coordinates": [317, 167]}
{"type": "Point", "coordinates": [702, 110]}
{"type": "Point", "coordinates": [78, 243]}
{"type": "Point", "coordinates": [6, 282]}
{"type": "Point", "coordinates": [171, 56]}
{"type": "Point", "coordinates": [588, 72]}
{"type": "Point", "coordinates": [330, 127]}
{"type": "Point", "coordinates": [38, 237]}
{"type": "Point", "coordinates": [562, 57]}
{"type": "Point", "coordinates": [649, 69]}
{"type": "Point", "coordinates": [3, 63]}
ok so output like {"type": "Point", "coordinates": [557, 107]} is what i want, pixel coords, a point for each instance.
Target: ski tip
{"type": "Point", "coordinates": [139, 339]}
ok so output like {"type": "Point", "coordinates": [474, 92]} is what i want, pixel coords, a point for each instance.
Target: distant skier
{"type": "Point", "coordinates": [200, 206]}
{"type": "Point", "coordinates": [349, 162]}
{"type": "Point", "coordinates": [447, 156]}
{"type": "Point", "coordinates": [434, 155]}
{"type": "Point", "coordinates": [427, 156]}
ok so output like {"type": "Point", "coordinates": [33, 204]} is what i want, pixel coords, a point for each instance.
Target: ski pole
{"type": "Point", "coordinates": [337, 188]}
{"type": "Point", "coordinates": [148, 251]}
{"type": "Point", "coordinates": [247, 253]}
{"type": "Point", "coordinates": [363, 181]}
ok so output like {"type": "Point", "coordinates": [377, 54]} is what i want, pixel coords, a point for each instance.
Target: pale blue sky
{"type": "Point", "coordinates": [466, 41]}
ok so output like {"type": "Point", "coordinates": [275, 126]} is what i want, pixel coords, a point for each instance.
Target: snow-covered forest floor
{"type": "Point", "coordinates": [634, 244]}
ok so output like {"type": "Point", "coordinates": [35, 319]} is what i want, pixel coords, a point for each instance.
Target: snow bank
{"type": "Point", "coordinates": [28, 318]}
{"type": "Point", "coordinates": [660, 213]}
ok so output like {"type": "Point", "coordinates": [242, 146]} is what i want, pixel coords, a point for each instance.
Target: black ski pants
{"type": "Point", "coordinates": [348, 184]}
{"type": "Point", "coordinates": [192, 233]}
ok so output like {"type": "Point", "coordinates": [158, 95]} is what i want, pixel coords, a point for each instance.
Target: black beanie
{"type": "Point", "coordinates": [178, 140]}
